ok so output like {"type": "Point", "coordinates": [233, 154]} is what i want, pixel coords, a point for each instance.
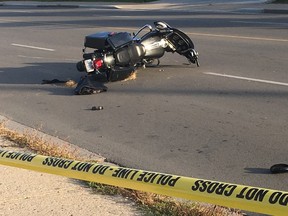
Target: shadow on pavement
{"type": "Point", "coordinates": [32, 75]}
{"type": "Point", "coordinates": [257, 170]}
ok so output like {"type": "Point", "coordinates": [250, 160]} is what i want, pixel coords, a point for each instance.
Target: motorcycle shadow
{"type": "Point", "coordinates": [181, 66]}
{"type": "Point", "coordinates": [36, 76]}
{"type": "Point", "coordinates": [257, 170]}
{"type": "Point", "coordinates": [54, 77]}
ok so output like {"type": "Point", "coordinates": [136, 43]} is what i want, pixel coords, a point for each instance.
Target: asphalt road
{"type": "Point", "coordinates": [226, 120]}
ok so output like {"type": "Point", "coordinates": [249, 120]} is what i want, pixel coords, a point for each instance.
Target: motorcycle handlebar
{"type": "Point", "coordinates": [141, 29]}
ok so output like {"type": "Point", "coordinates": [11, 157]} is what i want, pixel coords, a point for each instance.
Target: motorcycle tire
{"type": "Point", "coordinates": [152, 63]}
{"type": "Point", "coordinates": [80, 66]}
{"type": "Point", "coordinates": [120, 73]}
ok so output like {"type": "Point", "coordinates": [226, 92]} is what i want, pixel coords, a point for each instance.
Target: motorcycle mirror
{"type": "Point", "coordinates": [161, 25]}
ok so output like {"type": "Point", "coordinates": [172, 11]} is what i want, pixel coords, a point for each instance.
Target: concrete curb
{"type": "Point", "coordinates": [52, 140]}
{"type": "Point", "coordinates": [56, 4]}
{"type": "Point", "coordinates": [102, 7]}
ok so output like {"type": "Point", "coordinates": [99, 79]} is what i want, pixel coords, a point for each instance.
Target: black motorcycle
{"type": "Point", "coordinates": [115, 55]}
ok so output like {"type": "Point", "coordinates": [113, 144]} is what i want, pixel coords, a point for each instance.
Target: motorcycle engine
{"type": "Point", "coordinates": [109, 60]}
{"type": "Point", "coordinates": [126, 56]}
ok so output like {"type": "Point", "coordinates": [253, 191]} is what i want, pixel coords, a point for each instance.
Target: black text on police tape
{"type": "Point", "coordinates": [78, 166]}
{"type": "Point", "coordinates": [27, 157]}
{"type": "Point", "coordinates": [247, 193]}
{"type": "Point", "coordinates": [145, 176]}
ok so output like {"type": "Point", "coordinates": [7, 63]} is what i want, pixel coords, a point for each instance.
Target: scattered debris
{"type": "Point", "coordinates": [88, 85]}
{"type": "Point", "coordinates": [133, 76]}
{"type": "Point", "coordinates": [68, 83]}
{"type": "Point", "coordinates": [97, 108]}
{"type": "Point", "coordinates": [279, 168]}
{"type": "Point", "coordinates": [54, 81]}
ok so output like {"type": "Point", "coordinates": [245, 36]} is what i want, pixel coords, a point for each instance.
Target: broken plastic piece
{"type": "Point", "coordinates": [279, 168]}
{"type": "Point", "coordinates": [97, 108]}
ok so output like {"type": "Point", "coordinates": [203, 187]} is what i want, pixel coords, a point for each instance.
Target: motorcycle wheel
{"type": "Point", "coordinates": [151, 62]}
{"type": "Point", "coordinates": [80, 66]}
{"type": "Point", "coordinates": [120, 73]}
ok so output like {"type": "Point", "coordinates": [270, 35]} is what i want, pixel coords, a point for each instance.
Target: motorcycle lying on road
{"type": "Point", "coordinates": [116, 55]}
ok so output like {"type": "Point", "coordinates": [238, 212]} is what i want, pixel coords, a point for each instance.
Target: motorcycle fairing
{"type": "Point", "coordinates": [181, 42]}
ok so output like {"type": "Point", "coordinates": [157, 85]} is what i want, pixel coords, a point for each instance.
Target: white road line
{"type": "Point", "coordinates": [247, 78]}
{"type": "Point", "coordinates": [38, 57]}
{"type": "Point", "coordinates": [239, 37]}
{"type": "Point", "coordinates": [215, 35]}
{"type": "Point", "coordinates": [18, 11]}
{"type": "Point", "coordinates": [31, 57]}
{"type": "Point", "coordinates": [32, 47]}
{"type": "Point", "coordinates": [10, 20]}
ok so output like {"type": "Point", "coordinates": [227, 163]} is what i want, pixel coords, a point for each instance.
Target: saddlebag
{"type": "Point", "coordinates": [102, 40]}
{"type": "Point", "coordinates": [97, 40]}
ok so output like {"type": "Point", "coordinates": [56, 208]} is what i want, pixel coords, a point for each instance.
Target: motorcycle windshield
{"type": "Point", "coordinates": [180, 41]}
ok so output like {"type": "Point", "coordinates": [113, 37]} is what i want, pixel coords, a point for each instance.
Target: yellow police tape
{"type": "Point", "coordinates": [248, 198]}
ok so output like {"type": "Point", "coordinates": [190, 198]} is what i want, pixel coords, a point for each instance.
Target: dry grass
{"type": "Point", "coordinates": [71, 83]}
{"type": "Point", "coordinates": [133, 76]}
{"type": "Point", "coordinates": [154, 204]}
{"type": "Point", "coordinates": [151, 204]}
{"type": "Point", "coordinates": [36, 143]}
